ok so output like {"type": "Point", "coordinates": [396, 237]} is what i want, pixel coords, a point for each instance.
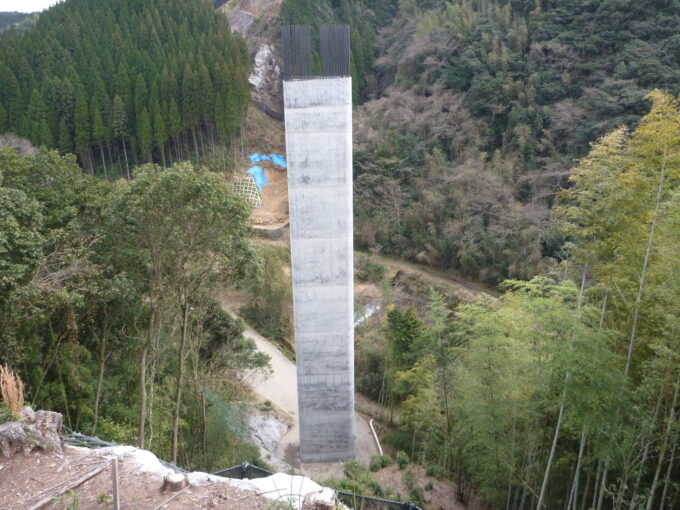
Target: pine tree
{"type": "Point", "coordinates": [65, 139]}
{"type": "Point", "coordinates": [191, 103]}
{"type": "Point", "coordinates": [145, 135]}
{"type": "Point", "coordinates": [9, 92]}
{"type": "Point", "coordinates": [36, 115]}
{"type": "Point", "coordinates": [175, 125]}
{"type": "Point", "coordinates": [159, 131]}
{"type": "Point", "coordinates": [83, 134]}
{"type": "Point", "coordinates": [46, 134]}
{"type": "Point", "coordinates": [221, 118]}
{"type": "Point", "coordinates": [98, 130]}
{"type": "Point", "coordinates": [141, 94]}
{"type": "Point", "coordinates": [120, 126]}
{"type": "Point", "coordinates": [3, 119]}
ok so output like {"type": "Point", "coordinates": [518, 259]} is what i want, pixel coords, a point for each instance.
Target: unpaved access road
{"type": "Point", "coordinates": [430, 274]}
{"type": "Point", "coordinates": [280, 388]}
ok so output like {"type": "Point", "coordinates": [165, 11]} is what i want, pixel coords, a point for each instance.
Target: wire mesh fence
{"type": "Point", "coordinates": [93, 443]}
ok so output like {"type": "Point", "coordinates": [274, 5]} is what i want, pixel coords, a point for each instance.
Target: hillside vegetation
{"type": "Point", "coordinates": [8, 19]}
{"type": "Point", "coordinates": [481, 107]}
{"type": "Point", "coordinates": [121, 80]}
{"type": "Point", "coordinates": [564, 392]}
{"type": "Point", "coordinates": [108, 309]}
{"type": "Point", "coordinates": [519, 139]}
{"type": "Point", "coordinates": [532, 145]}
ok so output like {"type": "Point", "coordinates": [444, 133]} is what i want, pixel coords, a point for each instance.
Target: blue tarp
{"type": "Point", "coordinates": [256, 158]}
{"type": "Point", "coordinates": [279, 160]}
{"type": "Point", "coordinates": [258, 176]}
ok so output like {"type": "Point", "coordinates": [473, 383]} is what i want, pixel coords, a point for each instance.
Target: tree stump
{"type": "Point", "coordinates": [174, 482]}
{"type": "Point", "coordinates": [34, 431]}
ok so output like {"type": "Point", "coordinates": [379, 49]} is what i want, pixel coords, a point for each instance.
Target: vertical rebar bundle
{"type": "Point", "coordinates": [335, 50]}
{"type": "Point", "coordinates": [297, 52]}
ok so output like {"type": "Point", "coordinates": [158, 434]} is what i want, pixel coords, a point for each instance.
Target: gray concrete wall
{"type": "Point", "coordinates": [318, 116]}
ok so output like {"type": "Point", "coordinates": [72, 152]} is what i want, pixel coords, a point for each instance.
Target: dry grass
{"type": "Point", "coordinates": [12, 389]}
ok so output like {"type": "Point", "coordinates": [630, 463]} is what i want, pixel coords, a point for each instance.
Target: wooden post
{"type": "Point", "coordinates": [114, 476]}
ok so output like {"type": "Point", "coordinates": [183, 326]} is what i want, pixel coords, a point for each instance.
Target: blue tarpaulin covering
{"type": "Point", "coordinates": [256, 158]}
{"type": "Point", "coordinates": [279, 160]}
{"type": "Point", "coordinates": [258, 176]}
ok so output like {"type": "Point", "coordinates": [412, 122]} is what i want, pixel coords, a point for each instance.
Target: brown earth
{"type": "Point", "coordinates": [265, 135]}
{"type": "Point", "coordinates": [441, 497]}
{"type": "Point", "coordinates": [242, 14]}
{"type": "Point", "coordinates": [26, 480]}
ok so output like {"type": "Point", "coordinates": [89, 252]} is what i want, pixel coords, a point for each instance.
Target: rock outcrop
{"type": "Point", "coordinates": [34, 431]}
{"type": "Point", "coordinates": [266, 80]}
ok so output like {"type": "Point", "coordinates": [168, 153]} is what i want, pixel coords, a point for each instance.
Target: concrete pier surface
{"type": "Point", "coordinates": [318, 117]}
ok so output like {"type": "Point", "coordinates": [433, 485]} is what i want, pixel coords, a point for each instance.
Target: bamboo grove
{"type": "Point", "coordinates": [562, 393]}
{"type": "Point", "coordinates": [124, 82]}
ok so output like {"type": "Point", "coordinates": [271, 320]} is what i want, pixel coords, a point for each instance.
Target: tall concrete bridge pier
{"type": "Point", "coordinates": [318, 119]}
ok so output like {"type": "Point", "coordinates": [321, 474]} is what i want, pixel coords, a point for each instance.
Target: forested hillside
{"type": "Point", "coordinates": [107, 303]}
{"type": "Point", "coordinates": [8, 19]}
{"type": "Point", "coordinates": [564, 392]}
{"type": "Point", "coordinates": [108, 286]}
{"type": "Point", "coordinates": [125, 81]}
{"type": "Point", "coordinates": [480, 108]}
{"type": "Point", "coordinates": [365, 20]}
{"type": "Point", "coordinates": [532, 145]}
{"type": "Point", "coordinates": [473, 154]}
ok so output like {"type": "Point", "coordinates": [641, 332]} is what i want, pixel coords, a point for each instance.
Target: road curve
{"type": "Point", "coordinates": [280, 388]}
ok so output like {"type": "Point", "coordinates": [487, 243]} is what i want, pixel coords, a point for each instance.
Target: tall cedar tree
{"type": "Point", "coordinates": [96, 66]}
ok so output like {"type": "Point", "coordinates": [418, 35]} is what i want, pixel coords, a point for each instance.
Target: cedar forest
{"type": "Point", "coordinates": [532, 146]}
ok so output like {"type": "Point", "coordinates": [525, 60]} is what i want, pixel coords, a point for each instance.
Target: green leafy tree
{"type": "Point", "coordinates": [193, 233]}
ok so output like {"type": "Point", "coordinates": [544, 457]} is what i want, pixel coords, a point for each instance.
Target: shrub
{"type": "Point", "coordinates": [12, 389]}
{"type": "Point", "coordinates": [5, 415]}
{"type": "Point", "coordinates": [409, 478]}
{"type": "Point", "coordinates": [368, 270]}
{"type": "Point", "coordinates": [352, 469]}
{"type": "Point", "coordinates": [370, 365]}
{"type": "Point", "coordinates": [398, 440]}
{"type": "Point", "coordinates": [379, 461]}
{"type": "Point", "coordinates": [434, 470]}
{"type": "Point", "coordinates": [402, 459]}
{"type": "Point", "coordinates": [358, 480]}
{"type": "Point", "coordinates": [429, 486]}
{"type": "Point", "coordinates": [416, 496]}
{"type": "Point", "coordinates": [270, 306]}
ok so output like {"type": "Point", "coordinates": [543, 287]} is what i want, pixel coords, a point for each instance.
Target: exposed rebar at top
{"type": "Point", "coordinates": [335, 50]}
{"type": "Point", "coordinates": [297, 52]}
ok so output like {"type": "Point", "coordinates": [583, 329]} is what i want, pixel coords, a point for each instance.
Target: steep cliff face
{"type": "Point", "coordinates": [257, 21]}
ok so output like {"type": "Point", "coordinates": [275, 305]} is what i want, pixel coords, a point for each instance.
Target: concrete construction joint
{"type": "Point", "coordinates": [318, 117]}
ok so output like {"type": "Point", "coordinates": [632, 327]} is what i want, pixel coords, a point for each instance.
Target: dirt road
{"type": "Point", "coordinates": [280, 388]}
{"type": "Point", "coordinates": [430, 274]}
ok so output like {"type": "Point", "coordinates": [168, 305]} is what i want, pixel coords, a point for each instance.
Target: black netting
{"type": "Point", "coordinates": [354, 501]}
{"type": "Point", "coordinates": [247, 470]}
